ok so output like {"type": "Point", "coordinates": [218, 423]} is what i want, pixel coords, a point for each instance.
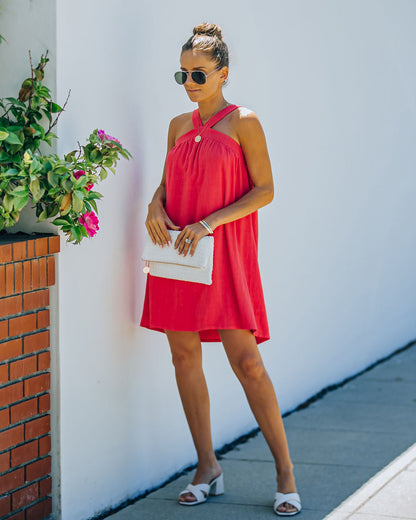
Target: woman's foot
{"type": "Point", "coordinates": [203, 475]}
{"type": "Point", "coordinates": [286, 484]}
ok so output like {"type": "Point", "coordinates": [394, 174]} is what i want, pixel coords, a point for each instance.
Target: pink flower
{"type": "Point", "coordinates": [102, 135]}
{"type": "Point", "coordinates": [90, 221]}
{"type": "Point", "coordinates": [78, 174]}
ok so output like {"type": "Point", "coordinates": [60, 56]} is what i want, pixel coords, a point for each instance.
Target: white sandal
{"type": "Point", "coordinates": [291, 498]}
{"type": "Point", "coordinates": [201, 491]}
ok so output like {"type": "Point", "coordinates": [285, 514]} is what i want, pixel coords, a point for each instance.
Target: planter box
{"type": "Point", "coordinates": [27, 270]}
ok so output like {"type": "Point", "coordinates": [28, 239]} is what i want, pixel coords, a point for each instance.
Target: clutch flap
{"type": "Point", "coordinates": [169, 255]}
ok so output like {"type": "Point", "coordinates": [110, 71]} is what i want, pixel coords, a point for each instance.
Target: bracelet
{"type": "Point", "coordinates": [206, 226]}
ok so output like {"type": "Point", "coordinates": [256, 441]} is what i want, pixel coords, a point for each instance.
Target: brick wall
{"type": "Point", "coordinates": [27, 269]}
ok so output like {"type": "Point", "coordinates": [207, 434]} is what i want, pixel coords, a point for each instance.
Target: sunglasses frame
{"type": "Point", "coordinates": [191, 72]}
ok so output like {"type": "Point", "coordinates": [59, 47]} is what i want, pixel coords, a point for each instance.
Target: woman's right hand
{"type": "Point", "coordinates": [157, 224]}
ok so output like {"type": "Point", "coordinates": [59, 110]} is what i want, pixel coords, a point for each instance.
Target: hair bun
{"type": "Point", "coordinates": [208, 29]}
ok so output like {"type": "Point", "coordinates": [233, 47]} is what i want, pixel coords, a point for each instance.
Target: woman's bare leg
{"type": "Point", "coordinates": [244, 356]}
{"type": "Point", "coordinates": [187, 360]}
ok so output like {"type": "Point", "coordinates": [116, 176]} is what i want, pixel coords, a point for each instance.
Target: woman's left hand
{"type": "Point", "coordinates": [189, 237]}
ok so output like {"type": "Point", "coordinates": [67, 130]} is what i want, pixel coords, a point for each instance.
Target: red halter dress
{"type": "Point", "coordinates": [203, 175]}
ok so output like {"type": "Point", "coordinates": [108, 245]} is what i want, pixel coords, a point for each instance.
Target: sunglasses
{"type": "Point", "coordinates": [198, 76]}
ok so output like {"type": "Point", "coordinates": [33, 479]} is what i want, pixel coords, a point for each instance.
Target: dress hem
{"type": "Point", "coordinates": [211, 335]}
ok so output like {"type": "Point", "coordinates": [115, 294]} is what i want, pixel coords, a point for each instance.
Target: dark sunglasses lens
{"type": "Point", "coordinates": [199, 77]}
{"type": "Point", "coordinates": [180, 77]}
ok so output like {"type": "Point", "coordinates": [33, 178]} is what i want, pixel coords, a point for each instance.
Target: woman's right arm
{"type": "Point", "coordinates": [157, 221]}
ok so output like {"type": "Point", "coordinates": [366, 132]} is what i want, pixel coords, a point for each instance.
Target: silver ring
{"type": "Point", "coordinates": [188, 241]}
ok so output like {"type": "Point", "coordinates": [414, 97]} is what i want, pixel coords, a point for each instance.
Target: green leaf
{"type": "Point", "coordinates": [13, 139]}
{"type": "Point", "coordinates": [94, 205]}
{"type": "Point", "coordinates": [77, 201]}
{"type": "Point", "coordinates": [20, 202]}
{"type": "Point", "coordinates": [103, 174]}
{"type": "Point", "coordinates": [8, 202]}
{"type": "Point", "coordinates": [53, 107]}
{"type": "Point", "coordinates": [20, 191]}
{"type": "Point", "coordinates": [59, 222]}
{"type": "Point", "coordinates": [52, 211]}
{"type": "Point", "coordinates": [43, 216]}
{"type": "Point", "coordinates": [53, 179]}
{"type": "Point", "coordinates": [35, 189]}
{"type": "Point", "coordinates": [3, 134]}
{"type": "Point", "coordinates": [67, 185]}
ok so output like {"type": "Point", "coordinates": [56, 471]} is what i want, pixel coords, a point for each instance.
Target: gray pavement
{"type": "Point", "coordinates": [339, 444]}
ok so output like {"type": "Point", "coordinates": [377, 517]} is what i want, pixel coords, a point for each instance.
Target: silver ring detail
{"type": "Point", "coordinates": [188, 241]}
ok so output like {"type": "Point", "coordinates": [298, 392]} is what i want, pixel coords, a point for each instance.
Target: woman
{"type": "Point", "coordinates": [217, 175]}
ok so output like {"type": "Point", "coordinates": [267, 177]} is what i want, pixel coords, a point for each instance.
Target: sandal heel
{"type": "Point", "coordinates": [217, 486]}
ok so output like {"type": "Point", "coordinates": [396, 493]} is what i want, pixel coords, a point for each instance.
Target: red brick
{"type": "Point", "coordinates": [40, 510]}
{"type": "Point", "coordinates": [41, 246]}
{"type": "Point", "coordinates": [4, 329]}
{"type": "Point", "coordinates": [21, 411]}
{"type": "Point", "coordinates": [9, 438]}
{"type": "Point", "coordinates": [11, 393]}
{"type": "Point", "coordinates": [37, 384]}
{"type": "Point", "coordinates": [45, 486]}
{"type": "Point", "coordinates": [17, 516]}
{"type": "Point", "coordinates": [18, 277]}
{"type": "Point", "coordinates": [44, 445]}
{"type": "Point", "coordinates": [4, 374]}
{"type": "Point", "coordinates": [43, 272]}
{"type": "Point", "coordinates": [51, 270]}
{"type": "Point", "coordinates": [25, 453]}
{"type": "Point", "coordinates": [35, 273]}
{"type": "Point", "coordinates": [23, 367]}
{"type": "Point", "coordinates": [25, 496]}
{"type": "Point", "coordinates": [12, 480]}
{"type": "Point", "coordinates": [4, 418]}
{"type": "Point", "coordinates": [5, 253]}
{"type": "Point", "coordinates": [38, 469]}
{"type": "Point", "coordinates": [5, 506]}
{"type": "Point", "coordinates": [34, 342]}
{"type": "Point", "coordinates": [54, 244]}
{"type": "Point", "coordinates": [36, 300]}
{"type": "Point", "coordinates": [10, 306]}
{"type": "Point", "coordinates": [37, 427]}
{"type": "Point", "coordinates": [30, 248]}
{"type": "Point", "coordinates": [9, 279]}
{"type": "Point", "coordinates": [22, 324]}
{"type": "Point", "coordinates": [2, 280]}
{"type": "Point", "coordinates": [10, 349]}
{"type": "Point", "coordinates": [44, 403]}
{"type": "Point", "coordinates": [43, 319]}
{"type": "Point", "coordinates": [4, 461]}
{"type": "Point", "coordinates": [44, 361]}
{"type": "Point", "coordinates": [27, 276]}
{"type": "Point", "coordinates": [19, 250]}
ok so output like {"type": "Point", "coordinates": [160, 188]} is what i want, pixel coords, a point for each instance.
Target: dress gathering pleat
{"type": "Point", "coordinates": [202, 176]}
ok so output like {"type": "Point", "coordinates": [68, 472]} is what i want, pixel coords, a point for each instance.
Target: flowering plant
{"type": "Point", "coordinates": [60, 188]}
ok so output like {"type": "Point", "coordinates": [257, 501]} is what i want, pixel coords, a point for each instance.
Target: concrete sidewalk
{"type": "Point", "coordinates": [337, 444]}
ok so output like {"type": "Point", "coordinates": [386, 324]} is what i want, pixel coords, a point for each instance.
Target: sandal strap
{"type": "Point", "coordinates": [200, 491]}
{"type": "Point", "coordinates": [291, 498]}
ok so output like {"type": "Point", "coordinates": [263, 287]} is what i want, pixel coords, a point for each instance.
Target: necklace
{"type": "Point", "coordinates": [204, 126]}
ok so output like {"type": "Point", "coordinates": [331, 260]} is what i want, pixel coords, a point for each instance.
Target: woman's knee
{"type": "Point", "coordinates": [186, 351]}
{"type": "Point", "coordinates": [249, 367]}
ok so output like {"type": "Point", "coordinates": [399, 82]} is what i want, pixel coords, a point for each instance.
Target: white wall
{"type": "Point", "coordinates": [334, 85]}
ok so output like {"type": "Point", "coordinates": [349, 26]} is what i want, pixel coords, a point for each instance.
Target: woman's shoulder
{"type": "Point", "coordinates": [181, 119]}
{"type": "Point", "coordinates": [179, 125]}
{"type": "Point", "coordinates": [245, 122]}
{"type": "Point", "coordinates": [245, 114]}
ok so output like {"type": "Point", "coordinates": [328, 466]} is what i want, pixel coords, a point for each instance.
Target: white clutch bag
{"type": "Point", "coordinates": [166, 262]}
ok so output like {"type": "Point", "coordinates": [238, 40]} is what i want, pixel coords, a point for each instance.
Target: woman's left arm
{"type": "Point", "coordinates": [253, 143]}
